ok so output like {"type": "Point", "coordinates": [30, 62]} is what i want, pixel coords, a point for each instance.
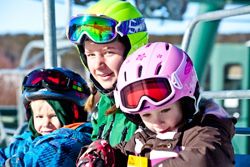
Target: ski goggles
{"type": "Point", "coordinates": [157, 91]}
{"type": "Point", "coordinates": [102, 29]}
{"type": "Point", "coordinates": [52, 79]}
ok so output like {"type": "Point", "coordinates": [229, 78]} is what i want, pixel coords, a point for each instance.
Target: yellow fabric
{"type": "Point", "coordinates": [136, 161]}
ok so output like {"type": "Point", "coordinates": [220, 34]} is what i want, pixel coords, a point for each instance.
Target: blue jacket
{"type": "Point", "coordinates": [19, 146]}
{"type": "Point", "coordinates": [60, 148]}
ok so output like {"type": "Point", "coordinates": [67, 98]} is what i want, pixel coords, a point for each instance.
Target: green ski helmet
{"type": "Point", "coordinates": [120, 11]}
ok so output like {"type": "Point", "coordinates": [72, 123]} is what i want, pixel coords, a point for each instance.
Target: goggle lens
{"type": "Point", "coordinates": [102, 29]}
{"type": "Point", "coordinates": [52, 78]}
{"type": "Point", "coordinates": [98, 29]}
{"type": "Point", "coordinates": [157, 89]}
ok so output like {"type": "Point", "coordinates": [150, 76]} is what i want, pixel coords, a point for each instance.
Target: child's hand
{"type": "Point", "coordinates": [98, 154]}
{"type": "Point", "coordinates": [88, 160]}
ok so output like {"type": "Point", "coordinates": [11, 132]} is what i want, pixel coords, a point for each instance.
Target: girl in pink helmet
{"type": "Point", "coordinates": [158, 89]}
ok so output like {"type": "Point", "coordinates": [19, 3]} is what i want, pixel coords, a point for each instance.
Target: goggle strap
{"type": "Point", "coordinates": [70, 83]}
{"type": "Point", "coordinates": [75, 85]}
{"type": "Point", "coordinates": [131, 26]}
{"type": "Point", "coordinates": [175, 81]}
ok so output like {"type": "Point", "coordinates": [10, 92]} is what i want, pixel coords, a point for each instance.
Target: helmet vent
{"type": "Point", "coordinates": [125, 76]}
{"type": "Point", "coordinates": [167, 46]}
{"type": "Point", "coordinates": [139, 71]}
{"type": "Point", "coordinates": [158, 68]}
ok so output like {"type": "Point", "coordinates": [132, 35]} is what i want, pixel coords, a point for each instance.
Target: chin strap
{"type": "Point", "coordinates": [108, 92]}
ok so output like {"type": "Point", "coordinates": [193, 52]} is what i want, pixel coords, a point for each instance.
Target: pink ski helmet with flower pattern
{"type": "Point", "coordinates": [155, 76]}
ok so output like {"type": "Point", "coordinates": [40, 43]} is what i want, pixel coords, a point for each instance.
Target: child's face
{"type": "Point", "coordinates": [104, 61]}
{"type": "Point", "coordinates": [45, 118]}
{"type": "Point", "coordinates": [161, 121]}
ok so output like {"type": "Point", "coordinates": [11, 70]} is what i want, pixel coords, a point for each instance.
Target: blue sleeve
{"type": "Point", "coordinates": [60, 148]}
{"type": "Point", "coordinates": [18, 147]}
{"type": "Point", "coordinates": [2, 156]}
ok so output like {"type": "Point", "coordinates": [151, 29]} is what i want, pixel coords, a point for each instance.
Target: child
{"type": "Point", "coordinates": [158, 88]}
{"type": "Point", "coordinates": [105, 35]}
{"type": "Point", "coordinates": [54, 100]}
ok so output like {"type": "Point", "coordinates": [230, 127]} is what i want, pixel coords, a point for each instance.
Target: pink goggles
{"type": "Point", "coordinates": [157, 91]}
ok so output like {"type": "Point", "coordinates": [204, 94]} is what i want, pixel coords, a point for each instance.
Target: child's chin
{"type": "Point", "coordinates": [45, 133]}
{"type": "Point", "coordinates": [164, 131]}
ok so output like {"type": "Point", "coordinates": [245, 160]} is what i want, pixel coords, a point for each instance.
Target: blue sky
{"type": "Point", "coordinates": [26, 16]}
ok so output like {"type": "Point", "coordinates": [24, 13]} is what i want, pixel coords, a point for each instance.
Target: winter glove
{"type": "Point", "coordinates": [98, 154]}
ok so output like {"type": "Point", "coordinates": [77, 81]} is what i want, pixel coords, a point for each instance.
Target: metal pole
{"type": "Point", "coordinates": [68, 4]}
{"type": "Point", "coordinates": [49, 35]}
{"type": "Point", "coordinates": [242, 131]}
{"type": "Point", "coordinates": [227, 94]}
{"type": "Point", "coordinates": [205, 31]}
{"type": "Point", "coordinates": [210, 16]}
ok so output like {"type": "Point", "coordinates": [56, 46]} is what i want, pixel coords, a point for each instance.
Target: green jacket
{"type": "Point", "coordinates": [115, 127]}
